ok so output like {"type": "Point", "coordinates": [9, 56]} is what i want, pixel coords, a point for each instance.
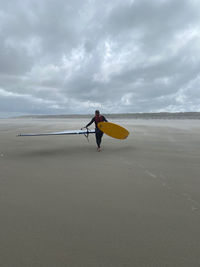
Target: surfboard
{"type": "Point", "coordinates": [85, 132]}
{"type": "Point", "coordinates": [113, 130]}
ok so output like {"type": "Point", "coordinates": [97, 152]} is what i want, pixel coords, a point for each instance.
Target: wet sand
{"type": "Point", "coordinates": [136, 203]}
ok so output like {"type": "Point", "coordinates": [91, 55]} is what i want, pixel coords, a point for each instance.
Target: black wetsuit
{"type": "Point", "coordinates": [98, 132]}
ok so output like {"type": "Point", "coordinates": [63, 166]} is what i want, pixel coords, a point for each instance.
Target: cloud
{"type": "Point", "coordinates": [119, 56]}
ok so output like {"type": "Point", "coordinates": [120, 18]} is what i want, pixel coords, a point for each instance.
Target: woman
{"type": "Point", "coordinates": [98, 133]}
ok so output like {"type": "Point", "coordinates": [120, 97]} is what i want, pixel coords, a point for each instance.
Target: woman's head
{"type": "Point", "coordinates": [97, 112]}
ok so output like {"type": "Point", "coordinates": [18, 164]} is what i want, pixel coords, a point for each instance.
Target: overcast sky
{"type": "Point", "coordinates": [75, 56]}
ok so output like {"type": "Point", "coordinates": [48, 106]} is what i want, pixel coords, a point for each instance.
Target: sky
{"type": "Point", "coordinates": [118, 56]}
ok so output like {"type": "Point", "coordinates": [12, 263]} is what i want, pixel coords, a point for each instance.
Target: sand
{"type": "Point", "coordinates": [136, 203]}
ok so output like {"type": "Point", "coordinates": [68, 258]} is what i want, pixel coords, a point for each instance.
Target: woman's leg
{"type": "Point", "coordinates": [99, 135]}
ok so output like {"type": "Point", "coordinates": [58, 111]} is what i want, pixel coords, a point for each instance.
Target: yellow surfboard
{"type": "Point", "coordinates": [113, 130]}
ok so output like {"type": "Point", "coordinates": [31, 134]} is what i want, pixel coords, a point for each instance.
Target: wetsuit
{"type": "Point", "coordinates": [98, 133]}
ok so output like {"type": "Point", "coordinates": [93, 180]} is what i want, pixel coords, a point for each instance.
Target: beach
{"type": "Point", "coordinates": [135, 203]}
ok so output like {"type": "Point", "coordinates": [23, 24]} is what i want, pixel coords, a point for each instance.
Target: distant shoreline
{"type": "Point", "coordinates": [160, 115]}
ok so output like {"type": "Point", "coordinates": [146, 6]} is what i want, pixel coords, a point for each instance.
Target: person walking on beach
{"type": "Point", "coordinates": [98, 133]}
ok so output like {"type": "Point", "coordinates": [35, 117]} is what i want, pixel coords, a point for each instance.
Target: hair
{"type": "Point", "coordinates": [97, 111]}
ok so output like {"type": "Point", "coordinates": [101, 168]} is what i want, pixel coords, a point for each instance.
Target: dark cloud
{"type": "Point", "coordinates": [120, 56]}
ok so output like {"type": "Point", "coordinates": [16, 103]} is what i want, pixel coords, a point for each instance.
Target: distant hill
{"type": "Point", "coordinates": [159, 115]}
